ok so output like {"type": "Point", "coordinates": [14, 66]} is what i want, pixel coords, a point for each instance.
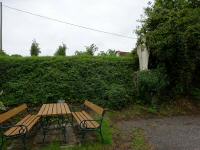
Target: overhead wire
{"type": "Point", "coordinates": [68, 23]}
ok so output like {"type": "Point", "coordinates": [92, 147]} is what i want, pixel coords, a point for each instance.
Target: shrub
{"type": "Point", "coordinates": [150, 85]}
{"type": "Point", "coordinates": [39, 80]}
{"type": "Point", "coordinates": [117, 96]}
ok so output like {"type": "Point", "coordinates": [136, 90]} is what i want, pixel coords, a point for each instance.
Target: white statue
{"type": "Point", "coordinates": [143, 55]}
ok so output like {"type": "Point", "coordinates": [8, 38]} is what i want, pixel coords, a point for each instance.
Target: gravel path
{"type": "Point", "coordinates": [174, 133]}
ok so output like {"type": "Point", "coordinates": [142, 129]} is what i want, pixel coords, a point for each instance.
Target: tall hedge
{"type": "Point", "coordinates": [107, 81]}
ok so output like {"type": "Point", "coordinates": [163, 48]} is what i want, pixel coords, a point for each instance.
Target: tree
{"type": "Point", "coordinates": [90, 50]}
{"type": "Point", "coordinates": [109, 52]}
{"type": "Point", "coordinates": [61, 51]}
{"type": "Point", "coordinates": [35, 50]}
{"type": "Point", "coordinates": [172, 31]}
{"type": "Point", "coordinates": [102, 53]}
{"type": "Point", "coordinates": [2, 53]}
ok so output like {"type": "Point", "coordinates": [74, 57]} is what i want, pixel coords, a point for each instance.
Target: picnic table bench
{"type": "Point", "coordinates": [86, 123]}
{"type": "Point", "coordinates": [21, 129]}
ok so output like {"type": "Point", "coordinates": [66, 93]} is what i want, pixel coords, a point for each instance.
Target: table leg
{"type": "Point", "coordinates": [45, 122]}
{"type": "Point", "coordinates": [63, 123]}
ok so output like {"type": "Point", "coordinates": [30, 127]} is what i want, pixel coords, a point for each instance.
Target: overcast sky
{"type": "Point", "coordinates": [118, 16]}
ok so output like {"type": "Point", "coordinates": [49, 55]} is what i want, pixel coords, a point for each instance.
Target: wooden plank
{"type": "Point", "coordinates": [67, 108]}
{"type": "Point", "coordinates": [62, 108]}
{"type": "Point", "coordinates": [26, 123]}
{"type": "Point", "coordinates": [77, 119]}
{"type": "Point", "coordinates": [50, 109]}
{"type": "Point", "coordinates": [99, 110]}
{"type": "Point", "coordinates": [11, 113]}
{"type": "Point", "coordinates": [11, 130]}
{"type": "Point", "coordinates": [59, 109]}
{"type": "Point", "coordinates": [41, 110]}
{"type": "Point", "coordinates": [29, 121]}
{"type": "Point", "coordinates": [96, 125]}
{"type": "Point", "coordinates": [54, 109]}
{"type": "Point", "coordinates": [36, 119]}
{"type": "Point", "coordinates": [88, 123]}
{"type": "Point", "coordinates": [45, 112]}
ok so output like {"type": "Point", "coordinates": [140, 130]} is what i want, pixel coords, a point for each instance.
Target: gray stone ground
{"type": "Point", "coordinates": [174, 133]}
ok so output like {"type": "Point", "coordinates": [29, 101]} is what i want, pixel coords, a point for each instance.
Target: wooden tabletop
{"type": "Point", "coordinates": [54, 109]}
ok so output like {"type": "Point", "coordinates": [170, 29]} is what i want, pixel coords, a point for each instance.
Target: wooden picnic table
{"type": "Point", "coordinates": [54, 109]}
{"type": "Point", "coordinates": [59, 111]}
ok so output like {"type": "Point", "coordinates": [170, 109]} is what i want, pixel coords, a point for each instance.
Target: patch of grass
{"type": "Point", "coordinates": [90, 147]}
{"type": "Point", "coordinates": [107, 132]}
{"type": "Point", "coordinates": [53, 146]}
{"type": "Point", "coordinates": [139, 140]}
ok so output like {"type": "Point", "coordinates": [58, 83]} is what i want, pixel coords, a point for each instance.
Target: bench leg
{"type": "Point", "coordinates": [63, 126]}
{"type": "Point", "coordinates": [44, 135]}
{"type": "Point", "coordinates": [72, 121]}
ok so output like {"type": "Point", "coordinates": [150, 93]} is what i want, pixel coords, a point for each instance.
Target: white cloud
{"type": "Point", "coordinates": [116, 16]}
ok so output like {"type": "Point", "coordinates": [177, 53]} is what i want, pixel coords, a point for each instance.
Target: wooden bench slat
{"type": "Point", "coordinates": [50, 109]}
{"type": "Point", "coordinates": [79, 116]}
{"type": "Point", "coordinates": [54, 112]}
{"type": "Point", "coordinates": [36, 119]}
{"type": "Point", "coordinates": [11, 113]}
{"type": "Point", "coordinates": [77, 119]}
{"type": "Point", "coordinates": [26, 123]}
{"type": "Point", "coordinates": [59, 108]}
{"type": "Point", "coordinates": [94, 107]}
{"type": "Point", "coordinates": [67, 108]}
{"type": "Point", "coordinates": [11, 130]}
{"type": "Point", "coordinates": [88, 123]}
{"type": "Point", "coordinates": [45, 112]}
{"type": "Point", "coordinates": [41, 110]}
{"type": "Point", "coordinates": [90, 118]}
{"type": "Point", "coordinates": [29, 121]}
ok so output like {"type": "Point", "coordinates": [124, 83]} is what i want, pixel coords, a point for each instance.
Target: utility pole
{"type": "Point", "coordinates": [1, 24]}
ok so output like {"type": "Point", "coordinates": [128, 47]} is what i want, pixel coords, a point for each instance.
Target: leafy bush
{"type": "Point", "coordinates": [117, 96]}
{"type": "Point", "coordinates": [39, 80]}
{"type": "Point", "coordinates": [150, 85]}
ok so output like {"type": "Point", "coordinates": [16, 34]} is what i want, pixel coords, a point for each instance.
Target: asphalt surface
{"type": "Point", "coordinates": [174, 133]}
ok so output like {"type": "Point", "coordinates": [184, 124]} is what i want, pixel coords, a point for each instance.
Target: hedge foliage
{"type": "Point", "coordinates": [107, 81]}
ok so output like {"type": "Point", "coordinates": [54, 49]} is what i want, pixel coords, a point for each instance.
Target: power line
{"type": "Point", "coordinates": [68, 23]}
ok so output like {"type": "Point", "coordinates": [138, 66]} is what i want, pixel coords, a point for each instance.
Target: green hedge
{"type": "Point", "coordinates": [107, 81]}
